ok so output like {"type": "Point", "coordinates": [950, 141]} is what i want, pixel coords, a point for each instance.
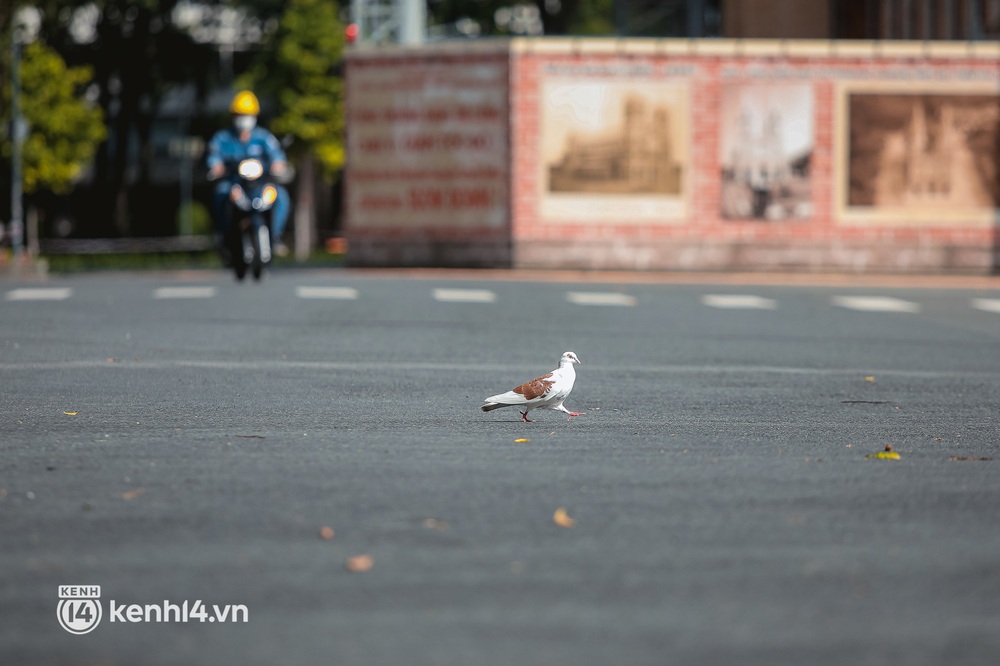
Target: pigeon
{"type": "Point", "coordinates": [546, 392]}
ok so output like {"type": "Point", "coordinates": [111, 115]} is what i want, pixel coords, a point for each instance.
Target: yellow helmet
{"type": "Point", "coordinates": [245, 104]}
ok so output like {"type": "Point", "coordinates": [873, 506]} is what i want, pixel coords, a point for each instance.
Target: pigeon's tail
{"type": "Point", "coordinates": [490, 406]}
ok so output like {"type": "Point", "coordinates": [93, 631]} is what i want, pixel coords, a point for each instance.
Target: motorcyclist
{"type": "Point", "coordinates": [244, 140]}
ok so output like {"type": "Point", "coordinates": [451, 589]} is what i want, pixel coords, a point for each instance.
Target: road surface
{"type": "Point", "coordinates": [177, 437]}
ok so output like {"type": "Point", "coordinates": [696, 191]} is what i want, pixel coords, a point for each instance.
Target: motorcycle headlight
{"type": "Point", "coordinates": [251, 169]}
{"type": "Point", "coordinates": [269, 194]}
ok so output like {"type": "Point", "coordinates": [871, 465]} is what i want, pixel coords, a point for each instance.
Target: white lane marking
{"type": "Point", "coordinates": [335, 293]}
{"type": "Point", "coordinates": [600, 298]}
{"type": "Point", "coordinates": [987, 304]}
{"type": "Point", "coordinates": [184, 292]}
{"type": "Point", "coordinates": [739, 301]}
{"type": "Point", "coordinates": [465, 295]}
{"type": "Point", "coordinates": [875, 304]}
{"type": "Point", "coordinates": [39, 294]}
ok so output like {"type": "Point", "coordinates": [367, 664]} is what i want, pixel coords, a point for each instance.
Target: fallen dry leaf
{"type": "Point", "coordinates": [435, 524]}
{"type": "Point", "coordinates": [521, 440]}
{"type": "Point", "coordinates": [71, 413]}
{"type": "Point", "coordinates": [326, 533]}
{"type": "Point", "coordinates": [562, 519]}
{"type": "Point", "coordinates": [870, 378]}
{"type": "Point", "coordinates": [132, 494]}
{"type": "Point", "coordinates": [359, 563]}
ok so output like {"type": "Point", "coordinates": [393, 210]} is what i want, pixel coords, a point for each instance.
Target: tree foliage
{"type": "Point", "coordinates": [297, 69]}
{"type": "Point", "coordinates": [563, 17]}
{"type": "Point", "coordinates": [65, 130]}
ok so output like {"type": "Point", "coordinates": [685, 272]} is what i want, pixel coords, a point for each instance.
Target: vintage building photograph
{"type": "Point", "coordinates": [914, 152]}
{"type": "Point", "coordinates": [766, 145]}
{"type": "Point", "coordinates": [610, 146]}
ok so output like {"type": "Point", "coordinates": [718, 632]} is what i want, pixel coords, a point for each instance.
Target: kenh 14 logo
{"type": "Point", "coordinates": [79, 610]}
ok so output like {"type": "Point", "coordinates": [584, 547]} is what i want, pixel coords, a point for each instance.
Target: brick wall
{"type": "Point", "coordinates": [702, 155]}
{"type": "Point", "coordinates": [428, 163]}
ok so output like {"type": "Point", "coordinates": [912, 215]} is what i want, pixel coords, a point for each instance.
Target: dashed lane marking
{"type": "Point", "coordinates": [465, 296]}
{"type": "Point", "coordinates": [987, 304]}
{"type": "Point", "coordinates": [876, 304]}
{"type": "Point", "coordinates": [738, 302]}
{"type": "Point", "coordinates": [330, 293]}
{"type": "Point", "coordinates": [39, 294]}
{"type": "Point", "coordinates": [600, 298]}
{"type": "Point", "coordinates": [184, 292]}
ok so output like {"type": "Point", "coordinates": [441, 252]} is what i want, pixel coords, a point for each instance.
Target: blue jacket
{"type": "Point", "coordinates": [225, 146]}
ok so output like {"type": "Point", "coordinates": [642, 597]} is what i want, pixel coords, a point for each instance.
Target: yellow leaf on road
{"type": "Point", "coordinates": [521, 440]}
{"type": "Point", "coordinates": [71, 413]}
{"type": "Point", "coordinates": [132, 494]}
{"type": "Point", "coordinates": [883, 455]}
{"type": "Point", "coordinates": [888, 454]}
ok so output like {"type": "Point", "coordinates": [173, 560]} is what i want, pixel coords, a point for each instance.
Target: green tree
{"type": "Point", "coordinates": [65, 130]}
{"type": "Point", "coordinates": [298, 70]}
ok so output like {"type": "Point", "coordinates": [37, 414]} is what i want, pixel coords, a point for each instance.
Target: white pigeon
{"type": "Point", "coordinates": [546, 392]}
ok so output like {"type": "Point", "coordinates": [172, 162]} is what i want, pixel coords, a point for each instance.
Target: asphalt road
{"type": "Point", "coordinates": [179, 437]}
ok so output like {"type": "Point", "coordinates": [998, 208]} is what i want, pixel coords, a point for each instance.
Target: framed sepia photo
{"type": "Point", "coordinates": [614, 151]}
{"type": "Point", "coordinates": [919, 156]}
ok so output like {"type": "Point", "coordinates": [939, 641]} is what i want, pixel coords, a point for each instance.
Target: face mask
{"type": "Point", "coordinates": [244, 123]}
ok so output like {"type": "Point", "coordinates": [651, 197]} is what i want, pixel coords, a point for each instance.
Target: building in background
{"type": "Point", "coordinates": [858, 19]}
{"type": "Point", "coordinates": [737, 153]}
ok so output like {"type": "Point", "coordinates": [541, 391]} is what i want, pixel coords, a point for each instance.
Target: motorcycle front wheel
{"type": "Point", "coordinates": [239, 262]}
{"type": "Point", "coordinates": [258, 239]}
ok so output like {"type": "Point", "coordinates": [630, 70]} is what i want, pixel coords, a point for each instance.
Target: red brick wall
{"type": "Point", "coordinates": [427, 173]}
{"type": "Point", "coordinates": [940, 223]}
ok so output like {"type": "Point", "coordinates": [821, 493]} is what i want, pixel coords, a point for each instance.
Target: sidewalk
{"type": "Point", "coordinates": [38, 269]}
{"type": "Point", "coordinates": [789, 279]}
{"type": "Point", "coordinates": [27, 267]}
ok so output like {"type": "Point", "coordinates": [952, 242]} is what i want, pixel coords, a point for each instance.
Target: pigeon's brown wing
{"type": "Point", "coordinates": [536, 388]}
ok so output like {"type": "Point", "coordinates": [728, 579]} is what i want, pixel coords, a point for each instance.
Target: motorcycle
{"type": "Point", "coordinates": [251, 199]}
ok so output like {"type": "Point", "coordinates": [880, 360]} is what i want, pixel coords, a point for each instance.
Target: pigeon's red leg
{"type": "Point", "coordinates": [524, 417]}
{"type": "Point", "coordinates": [572, 414]}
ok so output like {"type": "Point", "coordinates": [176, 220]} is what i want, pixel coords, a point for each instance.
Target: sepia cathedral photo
{"type": "Point", "coordinates": [913, 152]}
{"type": "Point", "coordinates": [635, 155]}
